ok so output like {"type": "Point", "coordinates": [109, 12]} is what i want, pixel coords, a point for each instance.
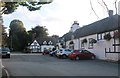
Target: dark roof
{"type": "Point", "coordinates": [47, 39]}
{"type": "Point", "coordinates": [104, 25]}
{"type": "Point", "coordinates": [67, 36]}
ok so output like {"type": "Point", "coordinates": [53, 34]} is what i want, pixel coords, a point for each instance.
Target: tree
{"type": "Point", "coordinates": [17, 36]}
{"type": "Point", "coordinates": [37, 33]}
{"type": "Point", "coordinates": [103, 4]}
{"type": "Point", "coordinates": [10, 7]}
{"type": "Point", "coordinates": [4, 37]}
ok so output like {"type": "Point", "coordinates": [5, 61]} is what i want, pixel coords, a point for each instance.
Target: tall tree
{"type": "Point", "coordinates": [11, 6]}
{"type": "Point", "coordinates": [37, 33]}
{"type": "Point", "coordinates": [17, 35]}
{"type": "Point", "coordinates": [104, 5]}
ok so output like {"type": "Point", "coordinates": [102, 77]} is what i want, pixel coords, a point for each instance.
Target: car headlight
{"type": "Point", "coordinates": [8, 52]}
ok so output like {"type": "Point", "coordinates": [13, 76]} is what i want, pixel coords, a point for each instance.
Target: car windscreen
{"type": "Point", "coordinates": [5, 49]}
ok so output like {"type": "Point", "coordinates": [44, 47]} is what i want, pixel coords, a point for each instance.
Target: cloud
{"type": "Point", "coordinates": [59, 15]}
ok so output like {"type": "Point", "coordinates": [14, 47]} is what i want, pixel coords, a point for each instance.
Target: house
{"type": "Point", "coordinates": [47, 45]}
{"type": "Point", "coordinates": [35, 47]}
{"type": "Point", "coordinates": [39, 45]}
{"type": "Point", "coordinates": [98, 37]}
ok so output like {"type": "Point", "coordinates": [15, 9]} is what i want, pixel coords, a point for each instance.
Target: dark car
{"type": "Point", "coordinates": [45, 52]}
{"type": "Point", "coordinates": [53, 53]}
{"type": "Point", "coordinates": [5, 52]}
{"type": "Point", "coordinates": [81, 54]}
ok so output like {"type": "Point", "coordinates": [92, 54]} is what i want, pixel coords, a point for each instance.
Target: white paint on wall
{"type": "Point", "coordinates": [99, 47]}
{"type": "Point", "coordinates": [48, 47]}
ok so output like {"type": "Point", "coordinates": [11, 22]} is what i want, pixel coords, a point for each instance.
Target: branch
{"type": "Point", "coordinates": [93, 9]}
{"type": "Point", "coordinates": [105, 5]}
{"type": "Point", "coordinates": [100, 4]}
{"type": "Point", "coordinates": [116, 6]}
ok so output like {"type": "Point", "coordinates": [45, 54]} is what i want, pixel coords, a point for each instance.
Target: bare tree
{"type": "Point", "coordinates": [93, 9]}
{"type": "Point", "coordinates": [116, 6]}
{"type": "Point", "coordinates": [104, 6]}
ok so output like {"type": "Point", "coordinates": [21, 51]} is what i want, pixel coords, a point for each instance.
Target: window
{"type": "Point", "coordinates": [44, 42]}
{"type": "Point", "coordinates": [90, 44]}
{"type": "Point", "coordinates": [82, 45]}
{"type": "Point", "coordinates": [99, 37]}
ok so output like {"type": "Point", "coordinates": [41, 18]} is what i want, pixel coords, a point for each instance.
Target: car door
{"type": "Point", "coordinates": [82, 54]}
{"type": "Point", "coordinates": [87, 54]}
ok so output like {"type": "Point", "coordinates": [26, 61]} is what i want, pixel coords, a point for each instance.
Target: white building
{"type": "Point", "coordinates": [98, 37]}
{"type": "Point", "coordinates": [47, 45]}
{"type": "Point", "coordinates": [37, 46]}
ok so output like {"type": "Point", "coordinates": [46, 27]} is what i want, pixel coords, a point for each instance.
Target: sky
{"type": "Point", "coordinates": [59, 16]}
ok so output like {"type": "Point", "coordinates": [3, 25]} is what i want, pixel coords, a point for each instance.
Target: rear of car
{"type": "Point", "coordinates": [5, 52]}
{"type": "Point", "coordinates": [63, 53]}
{"type": "Point", "coordinates": [45, 52]}
{"type": "Point", "coordinates": [59, 52]}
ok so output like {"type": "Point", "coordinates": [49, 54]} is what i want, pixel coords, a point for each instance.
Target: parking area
{"type": "Point", "coordinates": [45, 65]}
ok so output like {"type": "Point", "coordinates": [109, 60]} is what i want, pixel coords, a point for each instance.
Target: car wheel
{"type": "Point", "coordinates": [64, 56]}
{"type": "Point", "coordinates": [77, 58]}
{"type": "Point", "coordinates": [93, 57]}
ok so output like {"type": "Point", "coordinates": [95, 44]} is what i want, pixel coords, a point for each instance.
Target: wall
{"type": "Point", "coordinates": [47, 47]}
{"type": "Point", "coordinates": [99, 47]}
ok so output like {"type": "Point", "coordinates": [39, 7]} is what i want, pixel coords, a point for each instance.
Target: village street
{"type": "Point", "coordinates": [45, 65]}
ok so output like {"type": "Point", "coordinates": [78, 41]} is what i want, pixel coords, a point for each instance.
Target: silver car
{"type": "Point", "coordinates": [63, 53]}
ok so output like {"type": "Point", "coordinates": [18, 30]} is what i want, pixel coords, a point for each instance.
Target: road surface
{"type": "Point", "coordinates": [45, 65]}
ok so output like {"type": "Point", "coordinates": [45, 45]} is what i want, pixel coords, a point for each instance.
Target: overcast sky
{"type": "Point", "coordinates": [60, 15]}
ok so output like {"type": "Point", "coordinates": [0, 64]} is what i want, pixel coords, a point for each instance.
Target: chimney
{"type": "Point", "coordinates": [110, 12]}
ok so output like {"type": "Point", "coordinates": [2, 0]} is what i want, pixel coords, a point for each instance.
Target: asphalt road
{"type": "Point", "coordinates": [44, 65]}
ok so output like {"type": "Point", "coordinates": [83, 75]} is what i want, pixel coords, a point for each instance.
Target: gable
{"type": "Point", "coordinates": [35, 43]}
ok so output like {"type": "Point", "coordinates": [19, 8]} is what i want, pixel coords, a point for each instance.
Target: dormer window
{"type": "Point", "coordinates": [44, 42]}
{"type": "Point", "coordinates": [50, 43]}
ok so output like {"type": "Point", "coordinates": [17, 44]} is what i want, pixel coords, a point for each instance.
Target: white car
{"type": "Point", "coordinates": [63, 53]}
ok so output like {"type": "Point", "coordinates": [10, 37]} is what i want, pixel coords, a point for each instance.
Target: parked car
{"type": "Point", "coordinates": [81, 54]}
{"type": "Point", "coordinates": [53, 53]}
{"type": "Point", "coordinates": [46, 52]}
{"type": "Point", "coordinates": [63, 53]}
{"type": "Point", "coordinates": [5, 52]}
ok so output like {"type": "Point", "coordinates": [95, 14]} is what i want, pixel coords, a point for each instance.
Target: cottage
{"type": "Point", "coordinates": [35, 47]}
{"type": "Point", "coordinates": [41, 44]}
{"type": "Point", "coordinates": [101, 38]}
{"type": "Point", "coordinates": [47, 45]}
